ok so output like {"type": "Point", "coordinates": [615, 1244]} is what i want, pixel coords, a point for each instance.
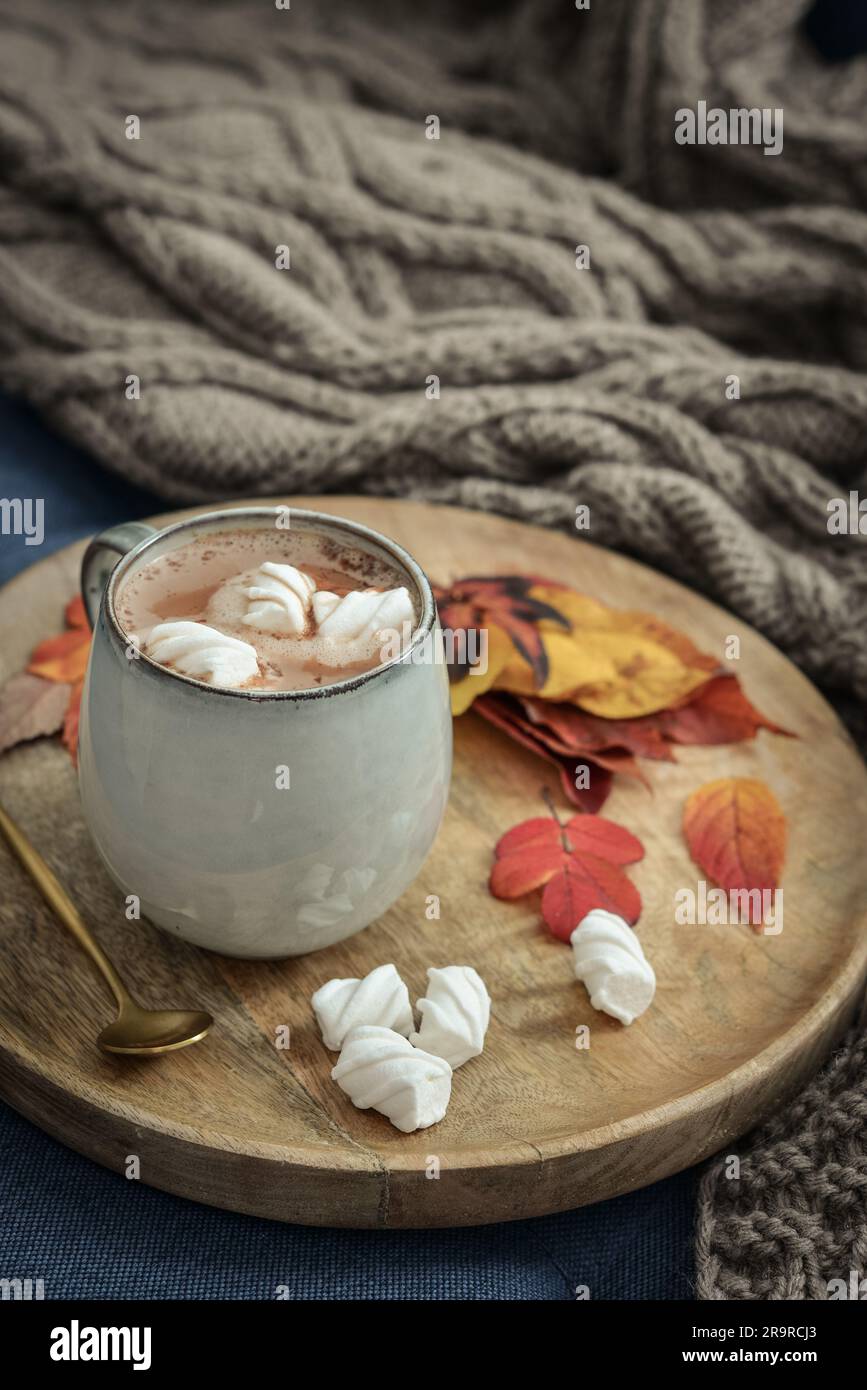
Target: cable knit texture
{"type": "Point", "coordinates": [412, 258]}
{"type": "Point", "coordinates": [795, 1219]}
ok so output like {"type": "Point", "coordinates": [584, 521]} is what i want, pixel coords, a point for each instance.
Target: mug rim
{"type": "Point", "coordinates": [357, 529]}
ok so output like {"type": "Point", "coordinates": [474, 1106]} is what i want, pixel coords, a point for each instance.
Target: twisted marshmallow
{"type": "Point", "coordinates": [609, 960]}
{"type": "Point", "coordinates": [380, 1070]}
{"type": "Point", "coordinates": [280, 599]}
{"type": "Point", "coordinates": [202, 652]}
{"type": "Point", "coordinates": [361, 614]}
{"type": "Point", "coordinates": [454, 1014]}
{"type": "Point", "coordinates": [381, 998]}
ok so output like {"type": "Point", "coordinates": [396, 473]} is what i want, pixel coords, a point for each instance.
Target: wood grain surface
{"type": "Point", "coordinates": [535, 1125]}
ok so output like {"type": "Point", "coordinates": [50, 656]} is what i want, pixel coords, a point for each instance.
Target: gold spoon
{"type": "Point", "coordinates": [136, 1031]}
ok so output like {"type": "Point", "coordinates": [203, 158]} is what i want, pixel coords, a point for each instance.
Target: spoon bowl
{"type": "Point", "coordinates": [139, 1032]}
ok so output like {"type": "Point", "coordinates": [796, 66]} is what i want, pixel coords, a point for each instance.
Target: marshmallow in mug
{"type": "Point", "coordinates": [281, 601]}
{"type": "Point", "coordinates": [361, 614]}
{"type": "Point", "coordinates": [203, 652]}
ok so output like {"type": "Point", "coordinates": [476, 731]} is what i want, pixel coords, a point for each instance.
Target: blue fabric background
{"type": "Point", "coordinates": [92, 1234]}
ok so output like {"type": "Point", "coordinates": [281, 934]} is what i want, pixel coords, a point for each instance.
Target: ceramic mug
{"type": "Point", "coordinates": [180, 780]}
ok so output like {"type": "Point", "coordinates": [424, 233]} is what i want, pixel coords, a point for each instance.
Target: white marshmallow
{"type": "Point", "coordinates": [609, 960]}
{"type": "Point", "coordinates": [380, 1070]}
{"type": "Point", "coordinates": [324, 602]}
{"type": "Point", "coordinates": [455, 1014]}
{"type": "Point", "coordinates": [202, 652]}
{"type": "Point", "coordinates": [381, 998]}
{"type": "Point", "coordinates": [362, 613]}
{"type": "Point", "coordinates": [279, 599]}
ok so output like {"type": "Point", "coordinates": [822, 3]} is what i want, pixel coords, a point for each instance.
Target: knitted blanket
{"type": "Point", "coordinates": [455, 251]}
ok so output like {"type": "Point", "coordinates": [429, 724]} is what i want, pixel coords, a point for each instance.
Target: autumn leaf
{"type": "Point", "coordinates": [648, 625]}
{"type": "Point", "coordinates": [616, 675]}
{"type": "Point", "coordinates": [591, 834]}
{"type": "Point", "coordinates": [513, 717]}
{"type": "Point", "coordinates": [64, 658]}
{"type": "Point", "coordinates": [46, 698]}
{"type": "Point", "coordinates": [30, 707]}
{"type": "Point", "coordinates": [577, 731]}
{"type": "Point", "coordinates": [500, 650]}
{"type": "Point", "coordinates": [566, 646]}
{"type": "Point", "coordinates": [605, 838]}
{"type": "Point", "coordinates": [585, 613]}
{"type": "Point", "coordinates": [736, 833]}
{"type": "Point", "coordinates": [75, 614]}
{"type": "Point", "coordinates": [618, 665]}
{"type": "Point", "coordinates": [718, 713]}
{"type": "Point", "coordinates": [578, 865]}
{"type": "Point", "coordinates": [505, 602]}
{"type": "Point", "coordinates": [590, 798]}
{"type": "Point", "coordinates": [584, 884]}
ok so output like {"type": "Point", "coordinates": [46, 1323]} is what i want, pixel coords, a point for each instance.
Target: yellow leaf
{"type": "Point", "coordinates": [618, 665]}
{"type": "Point", "coordinates": [646, 678]}
{"type": "Point", "coordinates": [571, 662]}
{"type": "Point", "coordinates": [500, 650]}
{"type": "Point", "coordinates": [580, 609]}
{"type": "Point", "coordinates": [646, 625]}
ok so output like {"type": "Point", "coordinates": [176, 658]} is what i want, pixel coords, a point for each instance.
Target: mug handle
{"type": "Point", "coordinates": [102, 555]}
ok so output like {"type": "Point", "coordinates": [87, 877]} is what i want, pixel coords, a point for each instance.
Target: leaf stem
{"type": "Point", "coordinates": [549, 802]}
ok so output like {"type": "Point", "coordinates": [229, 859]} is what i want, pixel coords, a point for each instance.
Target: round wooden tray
{"type": "Point", "coordinates": [534, 1126]}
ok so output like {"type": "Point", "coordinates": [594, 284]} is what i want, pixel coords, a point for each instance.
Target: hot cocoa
{"type": "Point", "coordinates": [267, 609]}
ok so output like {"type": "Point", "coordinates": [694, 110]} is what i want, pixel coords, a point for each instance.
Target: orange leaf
{"type": "Point", "coordinates": [62, 658]}
{"type": "Point", "coordinates": [75, 613]}
{"type": "Point", "coordinates": [736, 833]}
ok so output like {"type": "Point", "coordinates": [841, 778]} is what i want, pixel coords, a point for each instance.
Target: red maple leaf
{"type": "Point", "coordinates": [578, 865]}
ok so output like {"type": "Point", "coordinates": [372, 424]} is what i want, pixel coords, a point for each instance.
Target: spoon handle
{"type": "Point", "coordinates": [58, 899]}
